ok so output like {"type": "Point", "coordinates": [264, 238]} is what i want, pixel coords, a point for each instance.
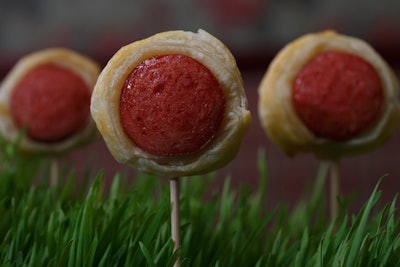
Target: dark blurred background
{"type": "Point", "coordinates": [254, 30]}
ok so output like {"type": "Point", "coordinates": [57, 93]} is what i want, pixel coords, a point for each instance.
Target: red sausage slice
{"type": "Point", "coordinates": [52, 102]}
{"type": "Point", "coordinates": [338, 95]}
{"type": "Point", "coordinates": [171, 105]}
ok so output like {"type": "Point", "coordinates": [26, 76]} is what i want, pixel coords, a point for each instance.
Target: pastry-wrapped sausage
{"type": "Point", "coordinates": [329, 94]}
{"type": "Point", "coordinates": [47, 93]}
{"type": "Point", "coordinates": [172, 104]}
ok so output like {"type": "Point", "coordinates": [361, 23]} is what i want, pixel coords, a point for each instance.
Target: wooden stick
{"type": "Point", "coordinates": [175, 216]}
{"type": "Point", "coordinates": [334, 189]}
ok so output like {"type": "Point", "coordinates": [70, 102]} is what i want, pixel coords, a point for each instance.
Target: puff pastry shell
{"type": "Point", "coordinates": [83, 66]}
{"type": "Point", "coordinates": [276, 111]}
{"type": "Point", "coordinates": [211, 53]}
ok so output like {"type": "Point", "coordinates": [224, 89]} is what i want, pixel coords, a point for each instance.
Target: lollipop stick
{"type": "Point", "coordinates": [175, 217]}
{"type": "Point", "coordinates": [53, 172]}
{"type": "Point", "coordinates": [334, 189]}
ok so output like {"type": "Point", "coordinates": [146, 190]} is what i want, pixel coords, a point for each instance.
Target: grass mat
{"type": "Point", "coordinates": [129, 225]}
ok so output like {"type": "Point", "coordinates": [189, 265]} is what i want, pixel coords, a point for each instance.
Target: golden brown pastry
{"type": "Point", "coordinates": [47, 94]}
{"type": "Point", "coordinates": [172, 104]}
{"type": "Point", "coordinates": [300, 126]}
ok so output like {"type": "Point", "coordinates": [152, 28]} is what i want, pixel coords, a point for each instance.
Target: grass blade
{"type": "Point", "coordinates": [147, 255]}
{"type": "Point", "coordinates": [360, 229]}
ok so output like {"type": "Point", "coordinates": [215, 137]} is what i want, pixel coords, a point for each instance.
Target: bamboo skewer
{"type": "Point", "coordinates": [175, 216]}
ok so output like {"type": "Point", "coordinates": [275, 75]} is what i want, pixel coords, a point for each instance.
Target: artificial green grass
{"type": "Point", "coordinates": [129, 225]}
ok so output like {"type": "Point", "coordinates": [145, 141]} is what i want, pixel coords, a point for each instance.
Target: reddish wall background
{"type": "Point", "coordinates": [254, 30]}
